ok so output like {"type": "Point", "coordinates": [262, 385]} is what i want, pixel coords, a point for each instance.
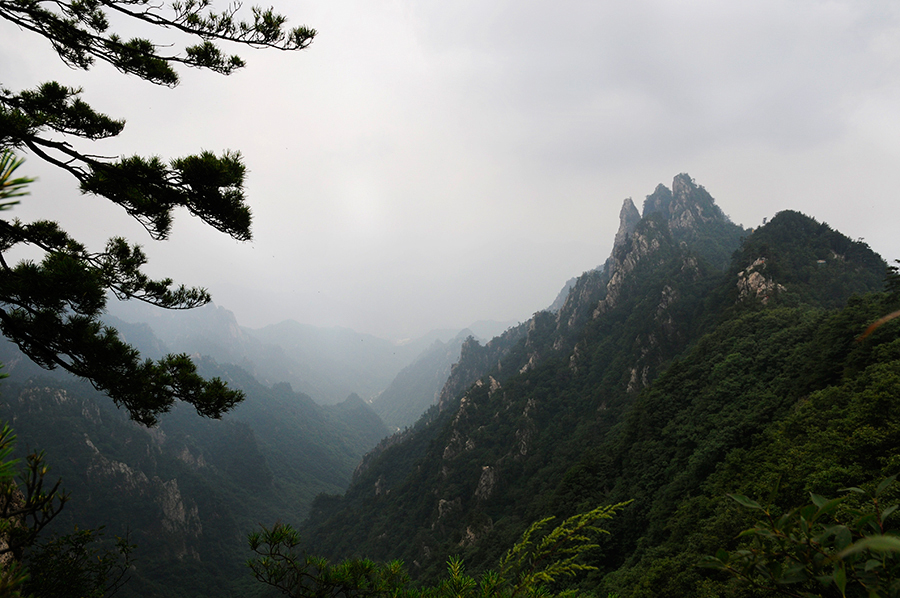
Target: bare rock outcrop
{"type": "Point", "coordinates": [752, 283]}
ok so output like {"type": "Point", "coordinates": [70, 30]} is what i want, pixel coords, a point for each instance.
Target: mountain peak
{"type": "Point", "coordinates": [658, 201]}
{"type": "Point", "coordinates": [682, 184]}
{"type": "Point", "coordinates": [353, 400]}
{"type": "Point", "coordinates": [628, 220]}
{"type": "Point", "coordinates": [692, 205]}
{"type": "Point", "coordinates": [694, 218]}
{"type": "Point", "coordinates": [685, 206]}
{"type": "Point", "coordinates": [805, 260]}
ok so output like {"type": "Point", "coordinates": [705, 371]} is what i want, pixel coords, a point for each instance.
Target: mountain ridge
{"type": "Point", "coordinates": [471, 474]}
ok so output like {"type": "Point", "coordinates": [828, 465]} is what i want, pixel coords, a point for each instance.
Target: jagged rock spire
{"type": "Point", "coordinates": [628, 220]}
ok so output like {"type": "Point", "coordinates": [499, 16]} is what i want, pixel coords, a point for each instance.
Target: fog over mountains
{"type": "Point", "coordinates": [695, 343]}
{"type": "Point", "coordinates": [326, 363]}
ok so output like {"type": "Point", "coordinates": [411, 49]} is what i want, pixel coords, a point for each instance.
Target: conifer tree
{"type": "Point", "coordinates": [51, 309]}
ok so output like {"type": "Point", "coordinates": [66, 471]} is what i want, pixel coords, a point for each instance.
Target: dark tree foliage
{"type": "Point", "coordinates": [51, 309]}
{"type": "Point", "coordinates": [26, 508]}
{"type": "Point", "coordinates": [530, 569]}
{"type": "Point", "coordinates": [892, 281]}
{"type": "Point", "coordinates": [77, 565]}
{"type": "Point", "coordinates": [821, 549]}
{"type": "Point", "coordinates": [817, 264]}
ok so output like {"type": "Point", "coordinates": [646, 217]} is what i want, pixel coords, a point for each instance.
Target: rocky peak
{"type": "Point", "coordinates": [645, 240]}
{"type": "Point", "coordinates": [687, 214]}
{"type": "Point", "coordinates": [682, 186]}
{"type": "Point", "coordinates": [658, 201]}
{"type": "Point", "coordinates": [692, 205]}
{"type": "Point", "coordinates": [475, 360]}
{"type": "Point", "coordinates": [686, 206]}
{"type": "Point", "coordinates": [694, 218]}
{"type": "Point", "coordinates": [628, 220]}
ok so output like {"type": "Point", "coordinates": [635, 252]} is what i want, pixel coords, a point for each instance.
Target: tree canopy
{"type": "Point", "coordinates": [51, 309]}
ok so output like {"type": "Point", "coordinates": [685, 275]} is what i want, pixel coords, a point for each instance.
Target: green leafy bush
{"type": "Point", "coordinates": [529, 569]}
{"type": "Point", "coordinates": [827, 548]}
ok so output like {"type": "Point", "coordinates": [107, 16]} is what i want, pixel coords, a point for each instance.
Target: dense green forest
{"type": "Point", "coordinates": [664, 381]}
{"type": "Point", "coordinates": [188, 491]}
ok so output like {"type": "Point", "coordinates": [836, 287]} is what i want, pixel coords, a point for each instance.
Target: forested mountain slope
{"type": "Point", "coordinates": [190, 490]}
{"type": "Point", "coordinates": [775, 403]}
{"type": "Point", "coordinates": [656, 369]}
{"type": "Point", "coordinates": [418, 385]}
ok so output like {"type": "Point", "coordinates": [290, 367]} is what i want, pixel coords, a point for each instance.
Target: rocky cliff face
{"type": "Point", "coordinates": [104, 475]}
{"type": "Point", "coordinates": [686, 215]}
{"type": "Point", "coordinates": [419, 385]}
{"type": "Point", "coordinates": [188, 490]}
{"type": "Point", "coordinates": [634, 249]}
{"type": "Point", "coordinates": [686, 207]}
{"type": "Point", "coordinates": [693, 218]}
{"type": "Point", "coordinates": [681, 229]}
{"type": "Point", "coordinates": [475, 360]}
{"type": "Point", "coordinates": [629, 217]}
{"type": "Point", "coordinates": [753, 283]}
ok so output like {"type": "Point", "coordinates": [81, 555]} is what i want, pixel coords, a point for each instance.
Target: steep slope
{"type": "Point", "coordinates": [661, 381]}
{"type": "Point", "coordinates": [189, 490]}
{"type": "Point", "coordinates": [481, 466]}
{"type": "Point", "coordinates": [418, 385]}
{"type": "Point", "coordinates": [775, 403]}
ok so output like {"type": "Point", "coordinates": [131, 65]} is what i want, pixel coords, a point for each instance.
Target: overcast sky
{"type": "Point", "coordinates": [428, 164]}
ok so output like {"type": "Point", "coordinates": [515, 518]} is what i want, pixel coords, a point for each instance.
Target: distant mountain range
{"type": "Point", "coordinates": [328, 364]}
{"type": "Point", "coordinates": [189, 490]}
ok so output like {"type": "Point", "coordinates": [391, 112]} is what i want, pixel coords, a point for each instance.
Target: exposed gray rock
{"type": "Point", "coordinates": [628, 221]}
{"type": "Point", "coordinates": [486, 483]}
{"type": "Point", "coordinates": [753, 283]}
